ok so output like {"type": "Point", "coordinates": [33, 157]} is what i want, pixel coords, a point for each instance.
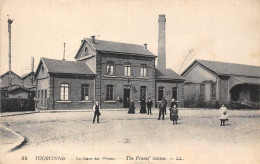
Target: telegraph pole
{"type": "Point", "coordinates": [64, 52]}
{"type": "Point", "coordinates": [10, 21]}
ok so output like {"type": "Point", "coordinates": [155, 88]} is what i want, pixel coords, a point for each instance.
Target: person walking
{"type": "Point", "coordinates": [149, 106]}
{"type": "Point", "coordinates": [143, 106]}
{"type": "Point", "coordinates": [161, 110]}
{"type": "Point", "coordinates": [96, 109]}
{"type": "Point", "coordinates": [223, 115]}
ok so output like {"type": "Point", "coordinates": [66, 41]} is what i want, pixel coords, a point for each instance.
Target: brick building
{"type": "Point", "coordinates": [209, 83]}
{"type": "Point", "coordinates": [64, 84]}
{"type": "Point", "coordinates": [110, 72]}
{"type": "Point", "coordinates": [107, 71]}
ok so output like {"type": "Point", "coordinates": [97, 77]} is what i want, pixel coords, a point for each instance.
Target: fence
{"type": "Point", "coordinates": [16, 104]}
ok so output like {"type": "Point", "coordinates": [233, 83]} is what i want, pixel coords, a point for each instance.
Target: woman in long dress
{"type": "Point", "coordinates": [131, 107]}
{"type": "Point", "coordinates": [223, 115]}
{"type": "Point", "coordinates": [143, 106]}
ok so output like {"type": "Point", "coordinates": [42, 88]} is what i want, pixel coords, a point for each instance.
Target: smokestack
{"type": "Point", "coordinates": [161, 43]}
{"type": "Point", "coordinates": [93, 39]}
{"type": "Point", "coordinates": [64, 52]}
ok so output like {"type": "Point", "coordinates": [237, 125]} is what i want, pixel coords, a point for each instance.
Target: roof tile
{"type": "Point", "coordinates": [68, 67]}
{"type": "Point", "coordinates": [167, 74]}
{"type": "Point", "coordinates": [222, 68]}
{"type": "Point", "coordinates": [110, 46]}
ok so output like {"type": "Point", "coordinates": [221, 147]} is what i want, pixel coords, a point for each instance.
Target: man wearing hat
{"type": "Point", "coordinates": [149, 106]}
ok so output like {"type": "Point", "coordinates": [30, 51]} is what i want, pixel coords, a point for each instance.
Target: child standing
{"type": "Point", "coordinates": [223, 115]}
{"type": "Point", "coordinates": [174, 114]}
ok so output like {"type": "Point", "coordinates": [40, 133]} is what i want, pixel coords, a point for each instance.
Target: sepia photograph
{"type": "Point", "coordinates": [130, 81]}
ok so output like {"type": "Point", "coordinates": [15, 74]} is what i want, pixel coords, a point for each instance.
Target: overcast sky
{"type": "Point", "coordinates": [218, 30]}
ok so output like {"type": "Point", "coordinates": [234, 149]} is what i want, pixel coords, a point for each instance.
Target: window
{"type": "Point", "coordinates": [213, 90]}
{"type": "Point", "coordinates": [109, 92]}
{"type": "Point", "coordinates": [174, 93]}
{"type": "Point", "coordinates": [202, 90]}
{"type": "Point", "coordinates": [85, 92]}
{"type": "Point", "coordinates": [143, 92]}
{"type": "Point", "coordinates": [160, 93]}
{"type": "Point", "coordinates": [86, 50]}
{"type": "Point", "coordinates": [110, 68]}
{"type": "Point", "coordinates": [143, 71]}
{"type": "Point", "coordinates": [41, 97]}
{"type": "Point", "coordinates": [45, 94]}
{"type": "Point", "coordinates": [127, 70]}
{"type": "Point", "coordinates": [39, 91]}
{"type": "Point", "coordinates": [64, 92]}
{"type": "Point", "coordinates": [42, 70]}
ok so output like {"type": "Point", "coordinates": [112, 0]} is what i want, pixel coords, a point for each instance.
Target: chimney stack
{"type": "Point", "coordinates": [161, 43]}
{"type": "Point", "coordinates": [145, 46]}
{"type": "Point", "coordinates": [93, 39]}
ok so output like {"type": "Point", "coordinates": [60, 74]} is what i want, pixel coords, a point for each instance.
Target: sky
{"type": "Point", "coordinates": [218, 30]}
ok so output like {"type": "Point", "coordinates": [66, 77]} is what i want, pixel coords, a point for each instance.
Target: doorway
{"type": "Point", "coordinates": [126, 97]}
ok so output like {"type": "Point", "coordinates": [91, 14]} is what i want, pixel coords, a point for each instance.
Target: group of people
{"type": "Point", "coordinates": [143, 104]}
{"type": "Point", "coordinates": [173, 110]}
{"type": "Point", "coordinates": [162, 110]}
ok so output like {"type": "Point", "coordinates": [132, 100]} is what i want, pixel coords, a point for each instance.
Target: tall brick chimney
{"type": "Point", "coordinates": [161, 64]}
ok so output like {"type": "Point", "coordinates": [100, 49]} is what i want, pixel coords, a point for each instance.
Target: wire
{"type": "Point", "coordinates": [190, 52]}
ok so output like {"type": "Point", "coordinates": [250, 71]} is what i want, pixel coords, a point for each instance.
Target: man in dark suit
{"type": "Point", "coordinates": [149, 106]}
{"type": "Point", "coordinates": [165, 105]}
{"type": "Point", "coordinates": [161, 110]}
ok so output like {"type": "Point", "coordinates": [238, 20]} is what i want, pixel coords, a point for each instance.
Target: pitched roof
{"type": "Point", "coordinates": [223, 68]}
{"type": "Point", "coordinates": [27, 74]}
{"type": "Point", "coordinates": [117, 47]}
{"type": "Point", "coordinates": [7, 73]}
{"type": "Point", "coordinates": [67, 67]}
{"type": "Point", "coordinates": [167, 74]}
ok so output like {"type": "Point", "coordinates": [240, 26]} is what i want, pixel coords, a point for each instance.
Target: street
{"type": "Point", "coordinates": [120, 137]}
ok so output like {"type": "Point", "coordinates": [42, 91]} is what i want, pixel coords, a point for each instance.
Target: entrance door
{"type": "Point", "coordinates": [126, 97]}
{"type": "Point", "coordinates": [143, 93]}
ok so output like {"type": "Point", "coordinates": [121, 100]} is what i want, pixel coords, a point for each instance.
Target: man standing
{"type": "Point", "coordinates": [149, 106]}
{"type": "Point", "coordinates": [161, 109]}
{"type": "Point", "coordinates": [96, 109]}
{"type": "Point", "coordinates": [165, 105]}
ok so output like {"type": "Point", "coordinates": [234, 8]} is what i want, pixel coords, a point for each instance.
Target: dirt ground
{"type": "Point", "coordinates": [119, 137]}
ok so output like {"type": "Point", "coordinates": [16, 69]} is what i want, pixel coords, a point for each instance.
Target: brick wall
{"type": "Point", "coordinates": [168, 92]}
{"type": "Point", "coordinates": [74, 101]}
{"type": "Point", "coordinates": [120, 82]}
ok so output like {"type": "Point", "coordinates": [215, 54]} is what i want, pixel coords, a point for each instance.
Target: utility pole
{"type": "Point", "coordinates": [10, 73]}
{"type": "Point", "coordinates": [32, 69]}
{"type": "Point", "coordinates": [64, 52]}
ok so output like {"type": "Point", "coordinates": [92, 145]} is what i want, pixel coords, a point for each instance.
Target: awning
{"type": "Point", "coordinates": [235, 80]}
